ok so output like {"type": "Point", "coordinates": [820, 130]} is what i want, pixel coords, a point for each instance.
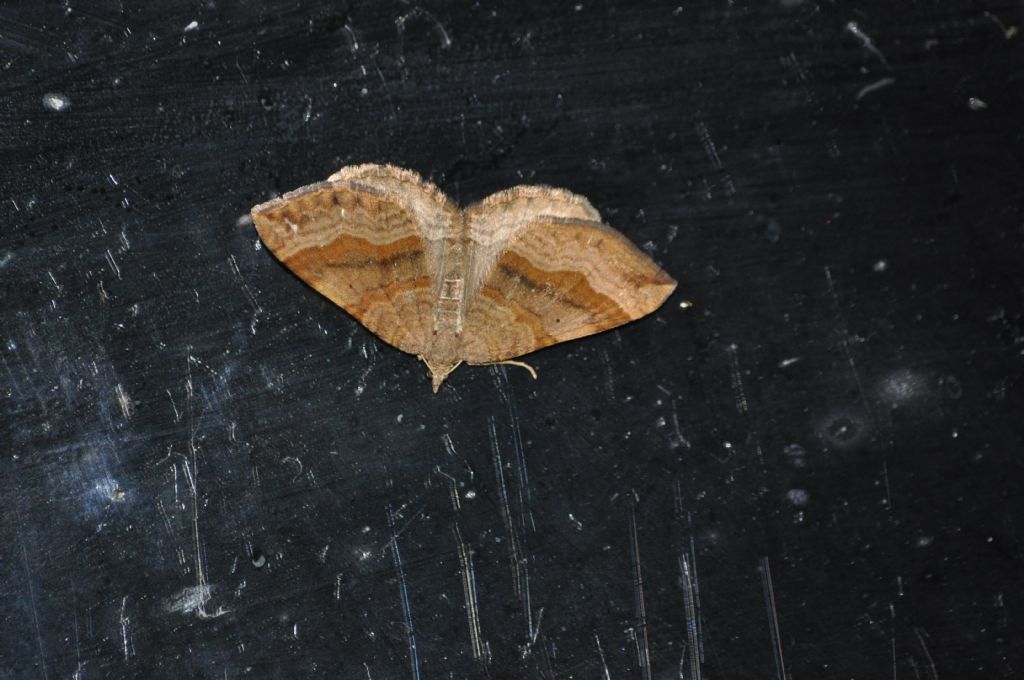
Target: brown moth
{"type": "Point", "coordinates": [524, 268]}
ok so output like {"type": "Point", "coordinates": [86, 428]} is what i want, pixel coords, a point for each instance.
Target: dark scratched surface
{"type": "Point", "coordinates": [814, 471]}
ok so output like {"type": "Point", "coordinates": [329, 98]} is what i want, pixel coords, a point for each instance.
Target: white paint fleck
{"type": "Point", "coordinates": [976, 104]}
{"type": "Point", "coordinates": [880, 266]}
{"type": "Point", "coordinates": [54, 101]}
{"type": "Point", "coordinates": [192, 25]}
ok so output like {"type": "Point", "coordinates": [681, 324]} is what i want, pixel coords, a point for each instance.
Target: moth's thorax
{"type": "Point", "coordinates": [445, 339]}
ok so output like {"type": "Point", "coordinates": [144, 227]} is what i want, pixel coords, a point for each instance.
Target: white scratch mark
{"type": "Point", "coordinates": [689, 602]}
{"type": "Point", "coordinates": [877, 85]}
{"type": "Point", "coordinates": [677, 433]}
{"type": "Point", "coordinates": [350, 38]}
{"type": "Point", "coordinates": [177, 414]}
{"type": "Point", "coordinates": [189, 600]}
{"type": "Point", "coordinates": [921, 634]}
{"type": "Point", "coordinates": [419, 12]}
{"type": "Point", "coordinates": [126, 636]}
{"type": "Point", "coordinates": [737, 379]}
{"type": "Point", "coordinates": [844, 338]}
{"type": "Point", "coordinates": [192, 25]}
{"type": "Point", "coordinates": [192, 476]}
{"type": "Point", "coordinates": [113, 264]}
{"type": "Point", "coordinates": [256, 308]}
{"type": "Point", "coordinates": [600, 654]}
{"type": "Point", "coordinates": [1008, 32]}
{"type": "Point", "coordinates": [789, 361]}
{"type": "Point", "coordinates": [523, 491]}
{"type": "Point", "coordinates": [469, 595]}
{"type": "Point", "coordinates": [517, 564]}
{"type": "Point", "coordinates": [709, 145]}
{"type": "Point", "coordinates": [124, 401]}
{"type": "Point", "coordinates": [294, 461]}
{"type": "Point", "coordinates": [773, 618]}
{"type": "Point", "coordinates": [643, 644]}
{"type": "Point", "coordinates": [888, 492]}
{"type": "Point", "coordinates": [414, 661]}
{"type": "Point", "coordinates": [32, 600]}
{"type": "Point", "coordinates": [865, 40]}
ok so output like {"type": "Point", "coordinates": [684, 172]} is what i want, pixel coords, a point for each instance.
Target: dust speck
{"type": "Point", "coordinates": [798, 497]}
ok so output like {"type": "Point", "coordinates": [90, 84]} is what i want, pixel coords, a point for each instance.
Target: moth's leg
{"type": "Point", "coordinates": [512, 362]}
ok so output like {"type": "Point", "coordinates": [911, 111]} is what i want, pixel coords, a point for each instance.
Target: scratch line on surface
{"type": "Point", "coordinates": [126, 636]}
{"type": "Point", "coordinates": [192, 476]}
{"type": "Point", "coordinates": [921, 634]}
{"type": "Point", "coordinates": [773, 618]}
{"type": "Point", "coordinates": [609, 375]}
{"type": "Point", "coordinates": [170, 531]}
{"type": "Point", "coordinates": [113, 264]}
{"type": "Point", "coordinates": [453, 490]}
{"type": "Point", "coordinates": [414, 13]}
{"type": "Point", "coordinates": [892, 648]}
{"type": "Point", "coordinates": [696, 592]}
{"type": "Point", "coordinates": [643, 644]}
{"type": "Point", "coordinates": [677, 430]}
{"type": "Point", "coordinates": [872, 87]}
{"type": "Point", "coordinates": [124, 401]}
{"type": "Point", "coordinates": [518, 565]}
{"type": "Point", "coordinates": [470, 595]}
{"type": "Point", "coordinates": [1008, 32]}
{"type": "Point", "coordinates": [256, 308]}
{"type": "Point", "coordinates": [689, 602]}
{"type": "Point", "coordinates": [865, 40]}
{"type": "Point", "coordinates": [737, 379]}
{"type": "Point", "coordinates": [888, 491]}
{"type": "Point", "coordinates": [350, 38]}
{"type": "Point", "coordinates": [523, 491]}
{"type": "Point", "coordinates": [600, 654]}
{"type": "Point", "coordinates": [32, 600]}
{"type": "Point", "coordinates": [708, 144]}
{"type": "Point", "coordinates": [677, 497]}
{"type": "Point", "coordinates": [844, 334]}
{"type": "Point", "coordinates": [414, 660]}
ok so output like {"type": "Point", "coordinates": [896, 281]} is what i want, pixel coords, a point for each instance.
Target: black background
{"type": "Point", "coordinates": [815, 471]}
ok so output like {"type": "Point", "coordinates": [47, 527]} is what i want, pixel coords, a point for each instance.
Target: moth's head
{"type": "Point", "coordinates": [440, 371]}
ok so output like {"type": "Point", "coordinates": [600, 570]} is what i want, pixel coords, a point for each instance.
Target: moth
{"type": "Point", "coordinates": [524, 268]}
